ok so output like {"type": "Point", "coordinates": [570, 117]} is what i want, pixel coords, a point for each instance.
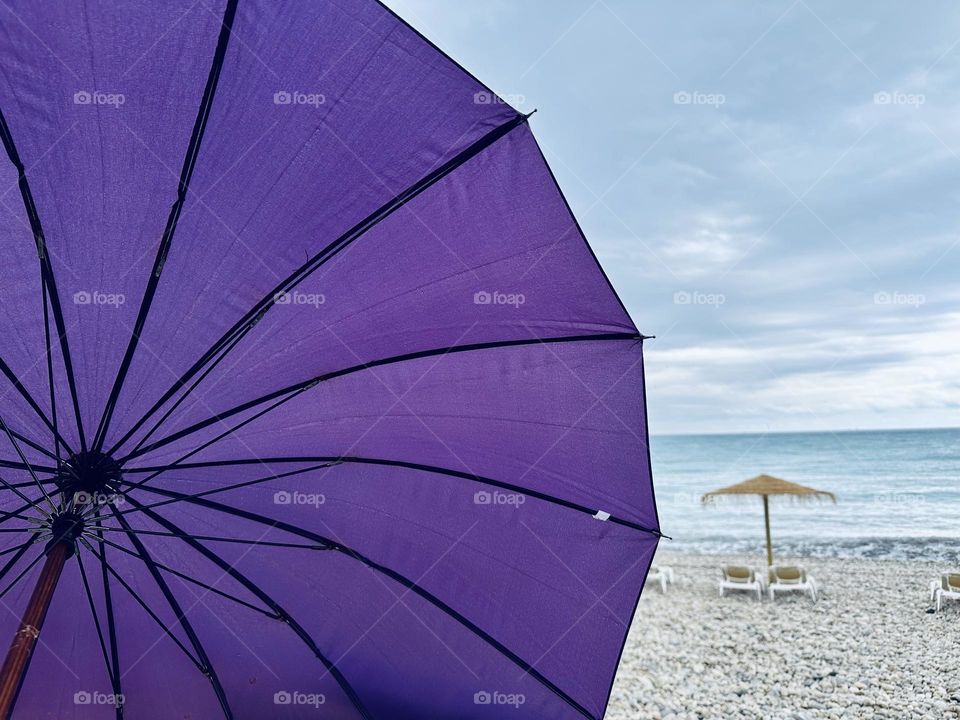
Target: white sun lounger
{"type": "Point", "coordinates": [791, 578]}
{"type": "Point", "coordinates": [661, 575]}
{"type": "Point", "coordinates": [947, 588]}
{"type": "Point", "coordinates": [740, 577]}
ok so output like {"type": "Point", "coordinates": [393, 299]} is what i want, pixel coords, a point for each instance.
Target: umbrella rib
{"type": "Point", "coordinates": [185, 395]}
{"type": "Point", "coordinates": [46, 272]}
{"type": "Point", "coordinates": [256, 313]}
{"type": "Point", "coordinates": [270, 602]}
{"type": "Point", "coordinates": [17, 465]}
{"type": "Point", "coordinates": [291, 391]}
{"type": "Point", "coordinates": [9, 550]}
{"type": "Point", "coordinates": [23, 459]}
{"type": "Point", "coordinates": [199, 583]}
{"type": "Point", "coordinates": [30, 483]}
{"type": "Point", "coordinates": [19, 387]}
{"type": "Point", "coordinates": [32, 503]}
{"type": "Point", "coordinates": [207, 667]}
{"type": "Point", "coordinates": [53, 394]}
{"type": "Point", "coordinates": [112, 660]}
{"type": "Point", "coordinates": [21, 551]}
{"type": "Point", "coordinates": [167, 631]}
{"type": "Point", "coordinates": [330, 461]}
{"type": "Point", "coordinates": [18, 513]}
{"type": "Point", "coordinates": [393, 575]}
{"type": "Point", "coordinates": [222, 435]}
{"type": "Point", "coordinates": [235, 486]}
{"type": "Point", "coordinates": [186, 173]}
{"type": "Point", "coordinates": [208, 538]}
{"type": "Point", "coordinates": [23, 572]}
{"type": "Point", "coordinates": [96, 622]}
{"type": "Point", "coordinates": [111, 623]}
{"type": "Point", "coordinates": [15, 381]}
{"type": "Point", "coordinates": [36, 446]}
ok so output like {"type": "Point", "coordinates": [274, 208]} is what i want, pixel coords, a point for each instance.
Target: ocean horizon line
{"type": "Point", "coordinates": [843, 431]}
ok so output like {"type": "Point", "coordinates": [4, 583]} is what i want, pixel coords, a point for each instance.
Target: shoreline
{"type": "Point", "coordinates": [936, 549]}
{"type": "Point", "coordinates": [845, 431]}
{"type": "Point", "coordinates": [868, 648]}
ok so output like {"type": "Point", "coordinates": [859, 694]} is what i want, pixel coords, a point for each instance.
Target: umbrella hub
{"type": "Point", "coordinates": [66, 527]}
{"type": "Point", "coordinates": [89, 477]}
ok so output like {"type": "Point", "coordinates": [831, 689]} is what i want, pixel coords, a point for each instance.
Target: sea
{"type": "Point", "coordinates": [898, 493]}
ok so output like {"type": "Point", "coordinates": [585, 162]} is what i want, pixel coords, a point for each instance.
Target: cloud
{"type": "Point", "coordinates": [823, 379]}
{"type": "Point", "coordinates": [709, 241]}
{"type": "Point", "coordinates": [798, 201]}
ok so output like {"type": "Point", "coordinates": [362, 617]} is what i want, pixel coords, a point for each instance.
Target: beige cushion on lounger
{"type": "Point", "coordinates": [788, 574]}
{"type": "Point", "coordinates": [738, 573]}
{"type": "Point", "coordinates": [950, 582]}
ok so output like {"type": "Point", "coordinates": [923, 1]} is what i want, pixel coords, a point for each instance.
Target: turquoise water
{"type": "Point", "coordinates": [898, 493]}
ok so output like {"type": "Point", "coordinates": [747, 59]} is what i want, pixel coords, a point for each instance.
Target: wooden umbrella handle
{"type": "Point", "coordinates": [21, 649]}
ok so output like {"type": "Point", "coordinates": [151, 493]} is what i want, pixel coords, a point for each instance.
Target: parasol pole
{"type": "Point", "coordinates": [766, 522]}
{"type": "Point", "coordinates": [18, 656]}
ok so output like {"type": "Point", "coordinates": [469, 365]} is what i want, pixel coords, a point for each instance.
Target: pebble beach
{"type": "Point", "coordinates": [869, 648]}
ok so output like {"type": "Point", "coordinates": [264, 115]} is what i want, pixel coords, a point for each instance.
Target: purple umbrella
{"type": "Point", "coordinates": [316, 402]}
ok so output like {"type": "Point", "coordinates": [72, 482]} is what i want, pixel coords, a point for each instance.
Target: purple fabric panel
{"type": "Point", "coordinates": [255, 656]}
{"type": "Point", "coordinates": [21, 313]}
{"type": "Point", "coordinates": [564, 418]}
{"type": "Point", "coordinates": [404, 657]}
{"type": "Point", "coordinates": [157, 679]}
{"type": "Point", "coordinates": [100, 99]}
{"type": "Point", "coordinates": [67, 661]}
{"type": "Point", "coordinates": [490, 253]}
{"type": "Point", "coordinates": [553, 584]}
{"type": "Point", "coordinates": [276, 183]}
{"type": "Point", "coordinates": [23, 480]}
{"type": "Point", "coordinates": [10, 500]}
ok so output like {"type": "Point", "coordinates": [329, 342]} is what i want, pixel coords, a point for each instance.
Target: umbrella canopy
{"type": "Point", "coordinates": [766, 486]}
{"type": "Point", "coordinates": [314, 395]}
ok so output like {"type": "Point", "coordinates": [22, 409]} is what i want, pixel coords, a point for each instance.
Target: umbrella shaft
{"type": "Point", "coordinates": [18, 656]}
{"type": "Point", "coordinates": [766, 523]}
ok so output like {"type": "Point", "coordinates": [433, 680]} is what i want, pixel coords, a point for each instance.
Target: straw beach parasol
{"type": "Point", "coordinates": [765, 486]}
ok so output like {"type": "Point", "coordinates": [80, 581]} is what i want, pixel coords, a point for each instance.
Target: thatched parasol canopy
{"type": "Point", "coordinates": [769, 485]}
{"type": "Point", "coordinates": [766, 486]}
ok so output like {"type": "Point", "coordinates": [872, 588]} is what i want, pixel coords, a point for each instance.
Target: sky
{"type": "Point", "coordinates": [771, 186]}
